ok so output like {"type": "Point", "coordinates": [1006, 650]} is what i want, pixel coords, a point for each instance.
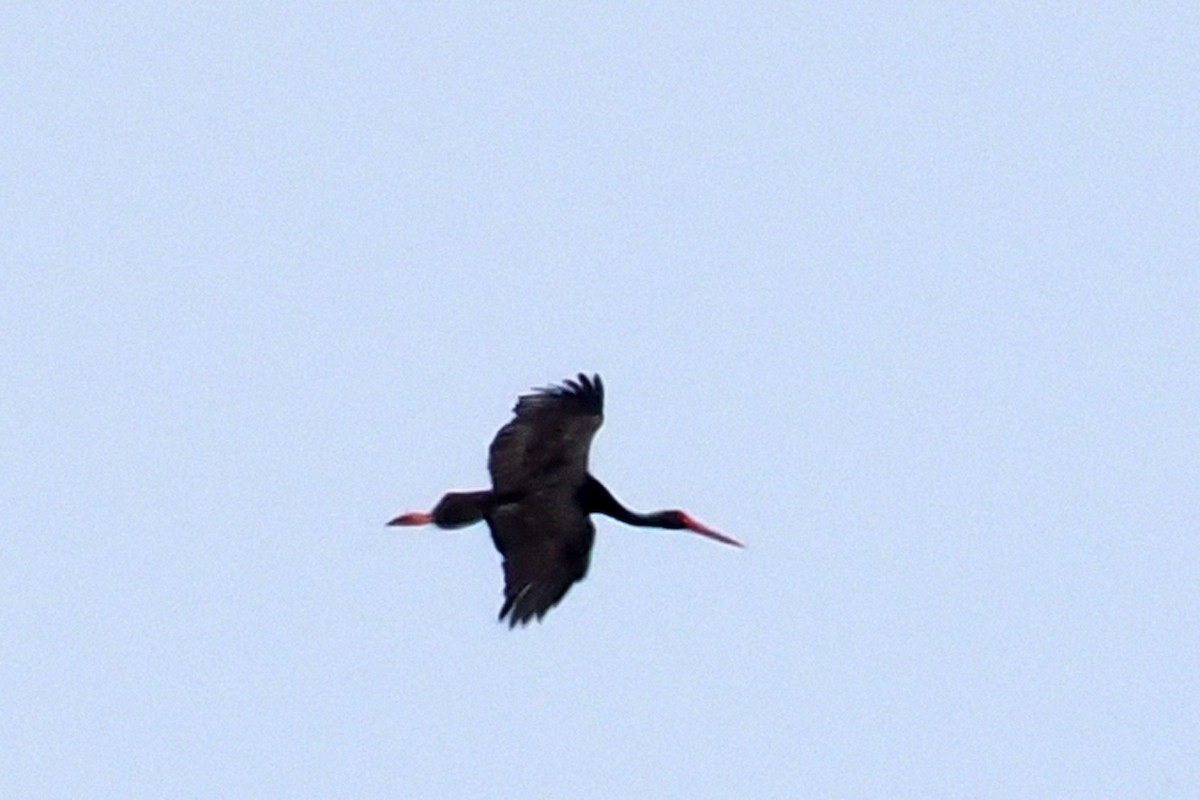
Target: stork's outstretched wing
{"type": "Point", "coordinates": [545, 445]}
{"type": "Point", "coordinates": [538, 463]}
{"type": "Point", "coordinates": [538, 573]}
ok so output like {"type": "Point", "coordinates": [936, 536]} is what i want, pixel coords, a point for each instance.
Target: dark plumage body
{"type": "Point", "coordinates": [541, 497]}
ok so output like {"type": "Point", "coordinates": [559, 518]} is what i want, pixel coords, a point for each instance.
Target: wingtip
{"type": "Point", "coordinates": [589, 391]}
{"type": "Point", "coordinates": [509, 616]}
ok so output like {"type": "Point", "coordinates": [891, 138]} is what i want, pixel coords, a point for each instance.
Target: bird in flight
{"type": "Point", "coordinates": [541, 496]}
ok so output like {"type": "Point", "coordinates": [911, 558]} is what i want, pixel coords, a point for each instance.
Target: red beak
{"type": "Point", "coordinates": [703, 530]}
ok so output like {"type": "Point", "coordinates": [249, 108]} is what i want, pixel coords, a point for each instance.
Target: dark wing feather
{"type": "Point", "coordinates": [546, 549]}
{"type": "Point", "coordinates": [538, 463]}
{"type": "Point", "coordinates": [547, 441]}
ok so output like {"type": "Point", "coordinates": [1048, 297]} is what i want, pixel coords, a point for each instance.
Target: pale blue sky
{"type": "Point", "coordinates": [906, 296]}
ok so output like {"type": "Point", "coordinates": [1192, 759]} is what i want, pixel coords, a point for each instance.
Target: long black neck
{"type": "Point", "coordinates": [599, 500]}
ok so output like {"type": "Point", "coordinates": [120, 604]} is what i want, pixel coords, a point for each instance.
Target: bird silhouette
{"type": "Point", "coordinates": [542, 495]}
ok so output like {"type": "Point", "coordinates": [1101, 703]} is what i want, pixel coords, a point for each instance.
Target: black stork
{"type": "Point", "coordinates": [541, 496]}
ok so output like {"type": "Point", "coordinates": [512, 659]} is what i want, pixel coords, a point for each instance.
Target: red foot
{"type": "Point", "coordinates": [413, 518]}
